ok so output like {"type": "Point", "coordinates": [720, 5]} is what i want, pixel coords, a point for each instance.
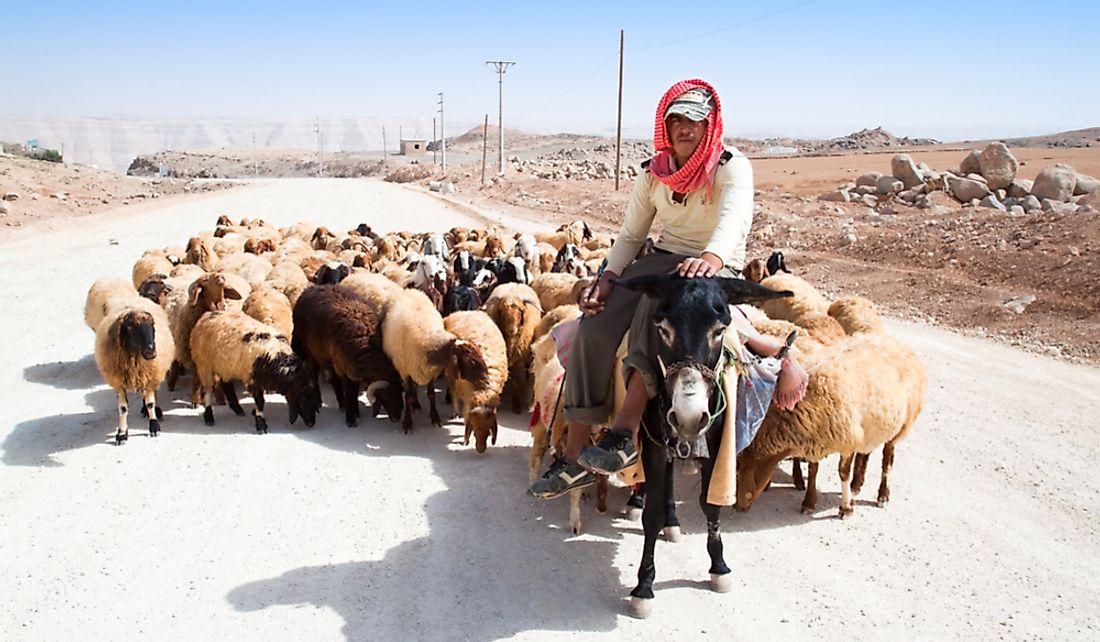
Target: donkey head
{"type": "Point", "coordinates": [691, 319]}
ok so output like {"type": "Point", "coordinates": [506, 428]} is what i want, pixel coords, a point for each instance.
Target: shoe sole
{"type": "Point", "coordinates": [552, 495]}
{"type": "Point", "coordinates": [605, 471]}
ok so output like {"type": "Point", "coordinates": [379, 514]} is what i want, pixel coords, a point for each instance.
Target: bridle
{"type": "Point", "coordinates": [714, 375]}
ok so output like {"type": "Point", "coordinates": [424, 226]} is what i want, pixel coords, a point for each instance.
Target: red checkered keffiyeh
{"type": "Point", "coordinates": [700, 169]}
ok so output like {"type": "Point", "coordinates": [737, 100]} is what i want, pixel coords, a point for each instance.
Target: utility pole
{"type": "Point", "coordinates": [619, 125]}
{"type": "Point", "coordinates": [385, 154]}
{"type": "Point", "coordinates": [484, 147]}
{"type": "Point", "coordinates": [501, 66]}
{"type": "Point", "coordinates": [317, 130]}
{"type": "Point", "coordinates": [255, 159]}
{"type": "Point", "coordinates": [442, 133]}
{"type": "Point", "coordinates": [435, 150]}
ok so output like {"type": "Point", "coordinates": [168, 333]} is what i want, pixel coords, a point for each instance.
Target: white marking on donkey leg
{"type": "Point", "coordinates": [671, 533]}
{"type": "Point", "coordinates": [721, 583]}
{"type": "Point", "coordinates": [641, 607]}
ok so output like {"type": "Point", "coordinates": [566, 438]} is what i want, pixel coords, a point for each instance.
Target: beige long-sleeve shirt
{"type": "Point", "coordinates": [692, 227]}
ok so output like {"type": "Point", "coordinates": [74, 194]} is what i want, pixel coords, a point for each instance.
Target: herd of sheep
{"type": "Point", "coordinates": [282, 310]}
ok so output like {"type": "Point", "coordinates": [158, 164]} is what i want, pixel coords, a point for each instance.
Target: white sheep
{"type": "Point", "coordinates": [105, 293]}
{"type": "Point", "coordinates": [515, 309]}
{"type": "Point", "coordinates": [133, 351]}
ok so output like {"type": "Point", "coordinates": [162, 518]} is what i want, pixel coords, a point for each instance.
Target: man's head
{"type": "Point", "coordinates": [686, 121]}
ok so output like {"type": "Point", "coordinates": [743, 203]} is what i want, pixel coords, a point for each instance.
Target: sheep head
{"type": "Point", "coordinates": [754, 472]}
{"type": "Point", "coordinates": [155, 288]}
{"type": "Point", "coordinates": [481, 422]}
{"type": "Point", "coordinates": [135, 332]}
{"type": "Point", "coordinates": [388, 396]}
{"type": "Point", "coordinates": [208, 293]}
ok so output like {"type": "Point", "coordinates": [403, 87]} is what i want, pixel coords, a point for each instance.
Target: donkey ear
{"type": "Point", "coordinates": [742, 291]}
{"type": "Point", "coordinates": [651, 284]}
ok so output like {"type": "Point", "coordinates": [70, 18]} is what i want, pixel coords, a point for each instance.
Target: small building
{"type": "Point", "coordinates": [413, 146]}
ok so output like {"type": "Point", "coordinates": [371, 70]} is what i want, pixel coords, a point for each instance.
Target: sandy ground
{"type": "Point", "coordinates": [366, 533]}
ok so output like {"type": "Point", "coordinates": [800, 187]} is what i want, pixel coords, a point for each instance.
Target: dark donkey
{"type": "Point", "coordinates": [691, 319]}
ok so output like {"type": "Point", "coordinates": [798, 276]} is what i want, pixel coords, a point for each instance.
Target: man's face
{"type": "Point", "coordinates": [685, 134]}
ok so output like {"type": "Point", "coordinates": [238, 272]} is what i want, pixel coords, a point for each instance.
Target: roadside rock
{"type": "Point", "coordinates": [966, 189]}
{"type": "Point", "coordinates": [1030, 203]}
{"type": "Point", "coordinates": [1019, 188]}
{"type": "Point", "coordinates": [902, 167]}
{"type": "Point", "coordinates": [971, 164]}
{"type": "Point", "coordinates": [998, 165]}
{"type": "Point", "coordinates": [1085, 185]}
{"type": "Point", "coordinates": [11, 196]}
{"type": "Point", "coordinates": [870, 179]}
{"type": "Point", "coordinates": [991, 201]}
{"type": "Point", "coordinates": [888, 185]}
{"type": "Point", "coordinates": [839, 196]}
{"type": "Point", "coordinates": [1055, 182]}
{"type": "Point", "coordinates": [1058, 207]}
{"type": "Point", "coordinates": [1018, 304]}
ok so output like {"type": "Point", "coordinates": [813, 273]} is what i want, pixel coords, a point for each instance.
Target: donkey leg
{"type": "Point", "coordinates": [653, 519]}
{"type": "Point", "coordinates": [721, 579]}
{"type": "Point", "coordinates": [671, 531]}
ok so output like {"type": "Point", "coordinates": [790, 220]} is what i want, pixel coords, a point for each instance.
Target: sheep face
{"type": "Point", "coordinates": [481, 422]}
{"type": "Point", "coordinates": [691, 317]}
{"type": "Point", "coordinates": [331, 273]}
{"type": "Point", "coordinates": [137, 335]}
{"type": "Point", "coordinates": [155, 288]}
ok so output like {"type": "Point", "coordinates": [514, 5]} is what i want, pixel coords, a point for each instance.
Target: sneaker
{"type": "Point", "coordinates": [562, 477]}
{"type": "Point", "coordinates": [615, 452]}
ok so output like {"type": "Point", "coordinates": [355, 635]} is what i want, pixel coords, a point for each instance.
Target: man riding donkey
{"type": "Point", "coordinates": [703, 193]}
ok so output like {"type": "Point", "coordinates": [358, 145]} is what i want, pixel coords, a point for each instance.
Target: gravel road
{"type": "Point", "coordinates": [366, 533]}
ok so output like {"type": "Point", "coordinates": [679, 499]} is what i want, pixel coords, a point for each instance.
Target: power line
{"type": "Point", "coordinates": [726, 28]}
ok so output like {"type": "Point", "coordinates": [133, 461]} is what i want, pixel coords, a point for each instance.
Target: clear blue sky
{"type": "Point", "coordinates": [944, 69]}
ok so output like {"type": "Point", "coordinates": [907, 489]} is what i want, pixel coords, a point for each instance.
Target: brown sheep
{"type": "Point", "coordinates": [554, 317]}
{"type": "Point", "coordinates": [232, 346]}
{"type": "Point", "coordinates": [200, 252]}
{"type": "Point", "coordinates": [340, 333]}
{"type": "Point", "coordinates": [133, 351]}
{"type": "Point", "coordinates": [478, 401]}
{"type": "Point", "coordinates": [864, 392]}
{"type": "Point", "coordinates": [375, 288]}
{"type": "Point", "coordinates": [105, 293]}
{"type": "Point", "coordinates": [857, 314]}
{"type": "Point", "coordinates": [414, 337]}
{"type": "Point", "coordinates": [149, 264]}
{"type": "Point", "coordinates": [515, 309]}
{"type": "Point", "coordinates": [208, 293]}
{"type": "Point", "coordinates": [555, 288]}
{"type": "Point", "coordinates": [268, 305]}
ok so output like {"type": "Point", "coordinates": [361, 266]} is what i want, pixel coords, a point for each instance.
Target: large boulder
{"type": "Point", "coordinates": [903, 168]}
{"type": "Point", "coordinates": [998, 165]}
{"type": "Point", "coordinates": [1019, 188]}
{"type": "Point", "coordinates": [971, 164]}
{"type": "Point", "coordinates": [1055, 182]}
{"type": "Point", "coordinates": [1085, 185]}
{"type": "Point", "coordinates": [966, 189]}
{"type": "Point", "coordinates": [1091, 199]}
{"type": "Point", "coordinates": [870, 179]}
{"type": "Point", "coordinates": [888, 185]}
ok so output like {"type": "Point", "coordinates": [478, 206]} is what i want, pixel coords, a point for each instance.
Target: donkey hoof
{"type": "Point", "coordinates": [721, 583]}
{"type": "Point", "coordinates": [641, 607]}
{"type": "Point", "coordinates": [633, 514]}
{"type": "Point", "coordinates": [671, 533]}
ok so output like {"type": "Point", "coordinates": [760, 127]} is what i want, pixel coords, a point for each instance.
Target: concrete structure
{"type": "Point", "coordinates": [413, 146]}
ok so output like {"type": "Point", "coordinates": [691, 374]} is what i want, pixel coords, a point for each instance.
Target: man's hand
{"type": "Point", "coordinates": [706, 265]}
{"type": "Point", "coordinates": [592, 298]}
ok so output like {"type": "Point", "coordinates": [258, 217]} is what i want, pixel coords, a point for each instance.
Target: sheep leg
{"type": "Point", "coordinates": [887, 466]}
{"type": "Point", "coordinates": [847, 505]}
{"type": "Point", "coordinates": [414, 399]}
{"type": "Point", "coordinates": [406, 412]}
{"type": "Point", "coordinates": [258, 411]}
{"type": "Point", "coordinates": [720, 576]}
{"type": "Point", "coordinates": [796, 474]}
{"type": "Point", "coordinates": [636, 502]}
{"type": "Point", "coordinates": [152, 412]}
{"type": "Point", "coordinates": [433, 413]}
{"type": "Point", "coordinates": [539, 439]}
{"type": "Point", "coordinates": [337, 389]}
{"type": "Point", "coordinates": [809, 501]}
{"type": "Point", "coordinates": [230, 391]}
{"type": "Point", "coordinates": [123, 429]}
{"type": "Point", "coordinates": [173, 375]}
{"type": "Point", "coordinates": [859, 471]}
{"type": "Point", "coordinates": [601, 494]}
{"type": "Point", "coordinates": [208, 412]}
{"type": "Point", "coordinates": [351, 401]}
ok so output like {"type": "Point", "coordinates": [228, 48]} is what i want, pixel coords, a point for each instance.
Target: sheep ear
{"type": "Point", "coordinates": [231, 293]}
{"type": "Point", "coordinates": [195, 291]}
{"type": "Point", "coordinates": [742, 291]}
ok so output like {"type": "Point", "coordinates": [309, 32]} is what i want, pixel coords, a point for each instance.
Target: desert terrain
{"type": "Point", "coordinates": [338, 533]}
